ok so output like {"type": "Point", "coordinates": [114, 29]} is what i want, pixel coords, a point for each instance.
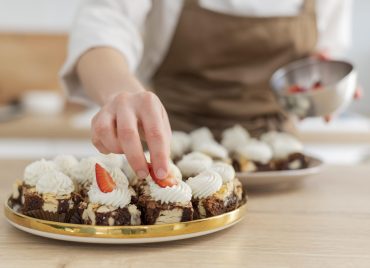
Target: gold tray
{"type": "Point", "coordinates": [123, 234]}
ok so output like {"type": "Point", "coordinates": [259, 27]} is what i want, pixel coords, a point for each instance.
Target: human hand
{"type": "Point", "coordinates": [123, 119]}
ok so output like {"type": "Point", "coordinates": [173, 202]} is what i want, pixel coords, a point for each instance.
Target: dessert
{"type": "Point", "coordinates": [52, 198]}
{"type": "Point", "coordinates": [166, 201]}
{"type": "Point", "coordinates": [234, 137]}
{"type": "Point", "coordinates": [193, 163]}
{"type": "Point", "coordinates": [287, 151]}
{"type": "Point", "coordinates": [215, 191]}
{"type": "Point", "coordinates": [66, 163]}
{"type": "Point", "coordinates": [83, 174]}
{"type": "Point", "coordinates": [180, 145]}
{"type": "Point", "coordinates": [253, 156]}
{"type": "Point", "coordinates": [108, 201]}
{"type": "Point", "coordinates": [32, 174]}
{"type": "Point", "coordinates": [203, 141]}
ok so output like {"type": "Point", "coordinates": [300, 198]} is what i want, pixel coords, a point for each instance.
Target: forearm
{"type": "Point", "coordinates": [104, 73]}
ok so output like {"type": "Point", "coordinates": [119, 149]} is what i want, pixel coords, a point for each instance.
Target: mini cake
{"type": "Point", "coordinates": [287, 151]}
{"type": "Point", "coordinates": [83, 174]}
{"type": "Point", "coordinates": [215, 194]}
{"type": "Point", "coordinates": [233, 138]}
{"type": "Point", "coordinates": [193, 163]}
{"type": "Point", "coordinates": [108, 201]}
{"type": "Point", "coordinates": [66, 163]}
{"type": "Point", "coordinates": [253, 156]}
{"type": "Point", "coordinates": [32, 174]}
{"type": "Point", "coordinates": [52, 198]}
{"type": "Point", "coordinates": [166, 200]}
{"type": "Point", "coordinates": [180, 145]}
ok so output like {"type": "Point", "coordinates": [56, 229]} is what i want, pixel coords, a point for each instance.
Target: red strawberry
{"type": "Point", "coordinates": [296, 89]}
{"type": "Point", "coordinates": [169, 181]}
{"type": "Point", "coordinates": [104, 179]}
{"type": "Point", "coordinates": [317, 85]}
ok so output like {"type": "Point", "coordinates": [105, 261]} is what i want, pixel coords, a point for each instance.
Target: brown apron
{"type": "Point", "coordinates": [217, 69]}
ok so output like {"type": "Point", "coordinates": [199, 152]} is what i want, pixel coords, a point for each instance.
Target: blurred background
{"type": "Point", "coordinates": [41, 123]}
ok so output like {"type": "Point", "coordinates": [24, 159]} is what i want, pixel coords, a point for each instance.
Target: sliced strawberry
{"type": "Point", "coordinates": [317, 85]}
{"type": "Point", "coordinates": [167, 182]}
{"type": "Point", "coordinates": [296, 89]}
{"type": "Point", "coordinates": [103, 178]}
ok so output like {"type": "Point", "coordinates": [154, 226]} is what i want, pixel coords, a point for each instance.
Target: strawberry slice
{"type": "Point", "coordinates": [317, 85]}
{"type": "Point", "coordinates": [296, 89]}
{"type": "Point", "coordinates": [105, 182]}
{"type": "Point", "coordinates": [167, 182]}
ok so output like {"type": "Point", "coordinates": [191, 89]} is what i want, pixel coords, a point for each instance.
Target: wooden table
{"type": "Point", "coordinates": [323, 223]}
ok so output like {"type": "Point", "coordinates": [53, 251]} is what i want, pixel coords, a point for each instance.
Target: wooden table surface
{"type": "Point", "coordinates": [323, 223]}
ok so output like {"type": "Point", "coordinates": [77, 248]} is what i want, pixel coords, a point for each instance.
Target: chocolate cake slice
{"type": "Point", "coordinates": [292, 162]}
{"type": "Point", "coordinates": [155, 212]}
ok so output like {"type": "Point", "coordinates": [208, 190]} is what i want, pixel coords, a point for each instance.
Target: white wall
{"type": "Point", "coordinates": [360, 51]}
{"type": "Point", "coordinates": [37, 15]}
{"type": "Point", "coordinates": [57, 16]}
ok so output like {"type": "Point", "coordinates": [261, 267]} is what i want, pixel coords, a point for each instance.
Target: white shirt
{"type": "Point", "coordinates": [142, 30]}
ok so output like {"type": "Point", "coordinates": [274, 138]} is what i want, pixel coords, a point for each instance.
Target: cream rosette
{"type": "Point", "coordinates": [205, 184]}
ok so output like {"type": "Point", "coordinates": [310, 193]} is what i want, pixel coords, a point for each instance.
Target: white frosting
{"type": "Point", "coordinates": [284, 145]}
{"type": "Point", "coordinates": [226, 171]}
{"type": "Point", "coordinates": [129, 172]}
{"type": "Point", "coordinates": [205, 184]}
{"type": "Point", "coordinates": [35, 170]}
{"type": "Point", "coordinates": [118, 176]}
{"type": "Point", "coordinates": [212, 149]}
{"type": "Point", "coordinates": [180, 144]}
{"type": "Point", "coordinates": [180, 193]}
{"type": "Point", "coordinates": [201, 135]}
{"type": "Point", "coordinates": [84, 172]}
{"type": "Point", "coordinates": [234, 137]}
{"type": "Point", "coordinates": [255, 150]}
{"type": "Point", "coordinates": [54, 182]}
{"type": "Point", "coordinates": [119, 197]}
{"type": "Point", "coordinates": [269, 136]}
{"type": "Point", "coordinates": [175, 171]}
{"type": "Point", "coordinates": [194, 163]}
{"type": "Point", "coordinates": [111, 160]}
{"type": "Point", "coordinates": [66, 163]}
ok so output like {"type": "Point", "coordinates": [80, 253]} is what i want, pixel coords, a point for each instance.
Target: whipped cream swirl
{"type": "Point", "coordinates": [35, 170]}
{"type": "Point", "coordinates": [180, 193]}
{"type": "Point", "coordinates": [84, 172]}
{"type": "Point", "coordinates": [226, 171]}
{"type": "Point", "coordinates": [111, 160]}
{"type": "Point", "coordinates": [205, 184]}
{"type": "Point", "coordinates": [202, 134]}
{"type": "Point", "coordinates": [194, 163]}
{"type": "Point", "coordinates": [66, 163]}
{"type": "Point", "coordinates": [118, 176]}
{"type": "Point", "coordinates": [118, 198]}
{"type": "Point", "coordinates": [55, 182]}
{"type": "Point", "coordinates": [127, 169]}
{"type": "Point", "coordinates": [255, 150]}
{"type": "Point", "coordinates": [212, 149]}
{"type": "Point", "coordinates": [180, 144]}
{"type": "Point", "coordinates": [234, 137]}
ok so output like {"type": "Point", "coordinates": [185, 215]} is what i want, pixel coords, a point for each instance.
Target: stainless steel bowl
{"type": "Point", "coordinates": [338, 80]}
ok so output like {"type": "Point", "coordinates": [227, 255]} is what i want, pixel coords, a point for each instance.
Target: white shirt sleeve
{"type": "Point", "coordinates": [113, 23]}
{"type": "Point", "coordinates": [334, 26]}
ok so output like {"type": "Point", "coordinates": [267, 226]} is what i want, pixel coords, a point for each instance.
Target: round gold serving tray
{"type": "Point", "coordinates": [123, 234]}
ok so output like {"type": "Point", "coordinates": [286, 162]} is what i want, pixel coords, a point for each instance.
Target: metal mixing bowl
{"type": "Point", "coordinates": [338, 84]}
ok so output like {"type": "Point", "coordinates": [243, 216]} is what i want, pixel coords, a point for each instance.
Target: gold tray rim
{"type": "Point", "coordinates": [126, 232]}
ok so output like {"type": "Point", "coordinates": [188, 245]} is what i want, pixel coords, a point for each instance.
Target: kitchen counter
{"type": "Point", "coordinates": [322, 223]}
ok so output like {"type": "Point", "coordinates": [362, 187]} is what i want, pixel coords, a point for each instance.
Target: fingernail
{"type": "Point", "coordinates": [160, 173]}
{"type": "Point", "coordinates": [142, 174]}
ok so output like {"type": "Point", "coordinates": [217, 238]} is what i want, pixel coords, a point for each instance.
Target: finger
{"type": "Point", "coordinates": [328, 118]}
{"type": "Point", "coordinates": [166, 123]}
{"type": "Point", "coordinates": [129, 140]}
{"type": "Point", "coordinates": [104, 130]}
{"type": "Point", "coordinates": [156, 135]}
{"type": "Point", "coordinates": [101, 148]}
{"type": "Point", "coordinates": [358, 93]}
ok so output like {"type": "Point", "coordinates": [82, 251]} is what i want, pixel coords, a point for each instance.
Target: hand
{"type": "Point", "coordinates": [116, 128]}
